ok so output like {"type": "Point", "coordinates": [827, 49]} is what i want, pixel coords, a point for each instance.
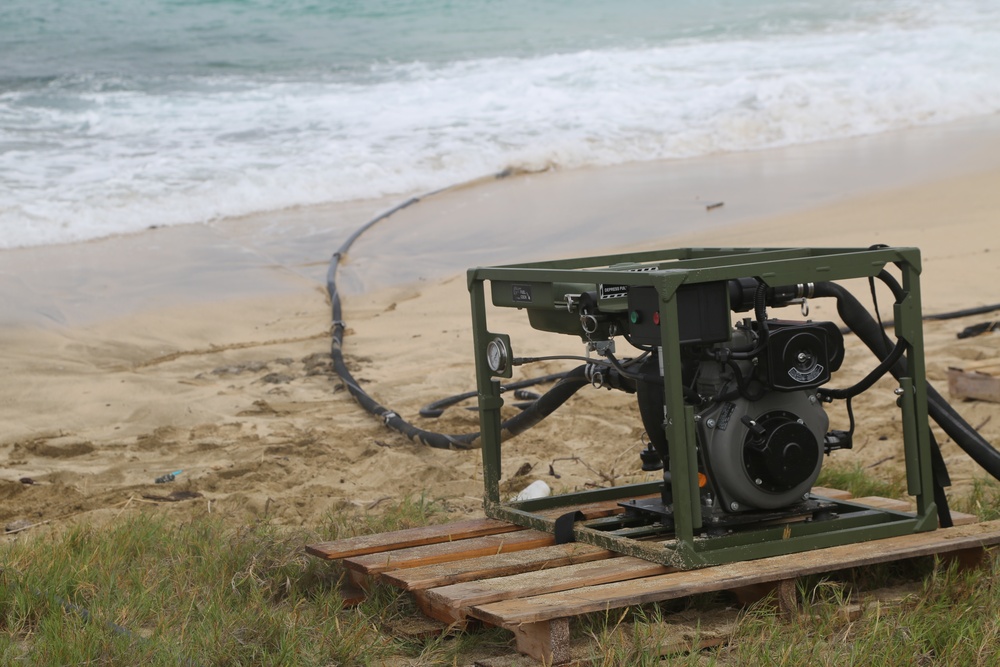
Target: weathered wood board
{"type": "Point", "coordinates": [976, 380]}
{"type": "Point", "coordinates": [520, 580]}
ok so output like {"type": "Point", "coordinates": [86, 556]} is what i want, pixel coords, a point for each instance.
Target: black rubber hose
{"type": "Point", "coordinates": [543, 407]}
{"type": "Point", "coordinates": [743, 385]}
{"type": "Point", "coordinates": [869, 380]}
{"type": "Point", "coordinates": [967, 312]}
{"type": "Point", "coordinates": [759, 304]}
{"type": "Point", "coordinates": [867, 329]}
{"type": "Point", "coordinates": [437, 408]}
{"type": "Point", "coordinates": [571, 383]}
{"type": "Point", "coordinates": [952, 315]}
{"type": "Point", "coordinates": [390, 418]}
{"type": "Point", "coordinates": [529, 417]}
{"type": "Point", "coordinates": [946, 416]}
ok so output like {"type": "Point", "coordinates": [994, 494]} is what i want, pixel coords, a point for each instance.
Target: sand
{"type": "Point", "coordinates": [204, 348]}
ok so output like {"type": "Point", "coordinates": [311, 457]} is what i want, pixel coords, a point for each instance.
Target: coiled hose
{"type": "Point", "coordinates": [851, 311]}
{"type": "Point", "coordinates": [570, 383]}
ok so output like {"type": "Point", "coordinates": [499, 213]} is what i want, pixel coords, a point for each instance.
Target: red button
{"type": "Point", "coordinates": [656, 318]}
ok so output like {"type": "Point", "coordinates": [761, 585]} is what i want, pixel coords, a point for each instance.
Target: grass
{"type": "Point", "coordinates": [147, 590]}
{"type": "Point", "coordinates": [144, 591]}
{"type": "Point", "coordinates": [953, 619]}
{"type": "Point", "coordinates": [949, 617]}
{"type": "Point", "coordinates": [860, 482]}
{"type": "Point", "coordinates": [983, 501]}
{"type": "Point", "coordinates": [634, 637]}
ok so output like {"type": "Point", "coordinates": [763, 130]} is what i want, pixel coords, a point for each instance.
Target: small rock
{"type": "Point", "coordinates": [524, 469]}
{"type": "Point", "coordinates": [277, 378]}
{"type": "Point", "coordinates": [317, 360]}
{"type": "Point", "coordinates": [236, 369]}
{"type": "Point", "coordinates": [19, 525]}
{"type": "Point", "coordinates": [26, 480]}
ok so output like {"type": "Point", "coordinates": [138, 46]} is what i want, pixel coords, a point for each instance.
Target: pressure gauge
{"type": "Point", "coordinates": [497, 355]}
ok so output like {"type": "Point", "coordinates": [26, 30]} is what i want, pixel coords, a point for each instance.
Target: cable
{"type": "Point", "coordinates": [938, 317]}
{"type": "Point", "coordinates": [857, 318]}
{"type": "Point", "coordinates": [566, 387]}
{"type": "Point", "coordinates": [759, 303]}
{"type": "Point", "coordinates": [979, 310]}
{"type": "Point", "coordinates": [437, 408]}
{"type": "Point", "coordinates": [866, 383]}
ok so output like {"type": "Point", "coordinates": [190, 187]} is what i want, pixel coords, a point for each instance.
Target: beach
{"type": "Point", "coordinates": [204, 348]}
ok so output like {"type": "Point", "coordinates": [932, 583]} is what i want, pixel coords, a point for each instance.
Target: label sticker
{"type": "Point", "coordinates": [520, 293]}
{"type": "Point", "coordinates": [619, 291]}
{"type": "Point", "coordinates": [613, 291]}
{"type": "Point", "coordinates": [803, 378]}
{"type": "Point", "coordinates": [724, 416]}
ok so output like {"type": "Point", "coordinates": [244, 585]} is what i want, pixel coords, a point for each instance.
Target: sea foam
{"type": "Point", "coordinates": [84, 156]}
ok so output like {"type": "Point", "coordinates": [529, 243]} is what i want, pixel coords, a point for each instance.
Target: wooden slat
{"type": "Point", "coordinates": [595, 510]}
{"type": "Point", "coordinates": [878, 502]}
{"type": "Point", "coordinates": [429, 554]}
{"type": "Point", "coordinates": [541, 608]}
{"type": "Point", "coordinates": [401, 539]}
{"type": "Point", "coordinates": [461, 596]}
{"type": "Point", "coordinates": [989, 364]}
{"type": "Point", "coordinates": [974, 384]}
{"type": "Point", "coordinates": [957, 518]}
{"type": "Point", "coordinates": [499, 565]}
{"type": "Point", "coordinates": [832, 494]}
{"type": "Point", "coordinates": [675, 633]}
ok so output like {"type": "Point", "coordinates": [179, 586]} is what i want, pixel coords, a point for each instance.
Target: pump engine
{"type": "Point", "coordinates": [732, 407]}
{"type": "Point", "coordinates": [761, 425]}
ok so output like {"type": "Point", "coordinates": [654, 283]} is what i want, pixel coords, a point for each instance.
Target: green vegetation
{"type": "Point", "coordinates": [860, 482]}
{"type": "Point", "coordinates": [146, 590]}
{"type": "Point", "coordinates": [953, 618]}
{"type": "Point", "coordinates": [948, 617]}
{"type": "Point", "coordinates": [983, 501]}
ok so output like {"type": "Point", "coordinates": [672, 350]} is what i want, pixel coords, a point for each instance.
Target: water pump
{"type": "Point", "coordinates": [731, 399]}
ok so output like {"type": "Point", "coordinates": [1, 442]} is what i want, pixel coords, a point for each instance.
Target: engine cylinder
{"type": "Point", "coordinates": [763, 454]}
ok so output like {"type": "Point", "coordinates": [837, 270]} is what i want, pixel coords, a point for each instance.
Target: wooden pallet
{"type": "Point", "coordinates": [518, 579]}
{"type": "Point", "coordinates": [976, 380]}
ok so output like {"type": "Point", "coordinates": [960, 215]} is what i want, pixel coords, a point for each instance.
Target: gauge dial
{"type": "Point", "coordinates": [496, 355]}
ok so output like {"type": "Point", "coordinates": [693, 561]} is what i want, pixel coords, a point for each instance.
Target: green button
{"type": "Point", "coordinates": [634, 317]}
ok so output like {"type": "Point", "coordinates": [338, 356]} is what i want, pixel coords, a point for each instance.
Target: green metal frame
{"type": "Point", "coordinates": [688, 546]}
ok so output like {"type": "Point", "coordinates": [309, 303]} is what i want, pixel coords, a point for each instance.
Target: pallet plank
{"type": "Point", "coordinates": [594, 510]}
{"type": "Point", "coordinates": [832, 494]}
{"type": "Point", "coordinates": [461, 596]}
{"type": "Point", "coordinates": [377, 563]}
{"type": "Point", "coordinates": [401, 539]}
{"type": "Point", "coordinates": [547, 641]}
{"type": "Point", "coordinates": [978, 384]}
{"type": "Point", "coordinates": [497, 565]}
{"type": "Point", "coordinates": [509, 613]}
{"type": "Point", "coordinates": [988, 364]}
{"type": "Point", "coordinates": [878, 502]}
{"type": "Point", "coordinates": [411, 537]}
{"type": "Point", "coordinates": [676, 633]}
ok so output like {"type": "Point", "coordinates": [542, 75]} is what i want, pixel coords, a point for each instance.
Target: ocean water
{"type": "Point", "coordinates": [117, 115]}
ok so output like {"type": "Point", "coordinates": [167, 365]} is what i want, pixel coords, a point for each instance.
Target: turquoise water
{"type": "Point", "coordinates": [46, 38]}
{"type": "Point", "coordinates": [116, 115]}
